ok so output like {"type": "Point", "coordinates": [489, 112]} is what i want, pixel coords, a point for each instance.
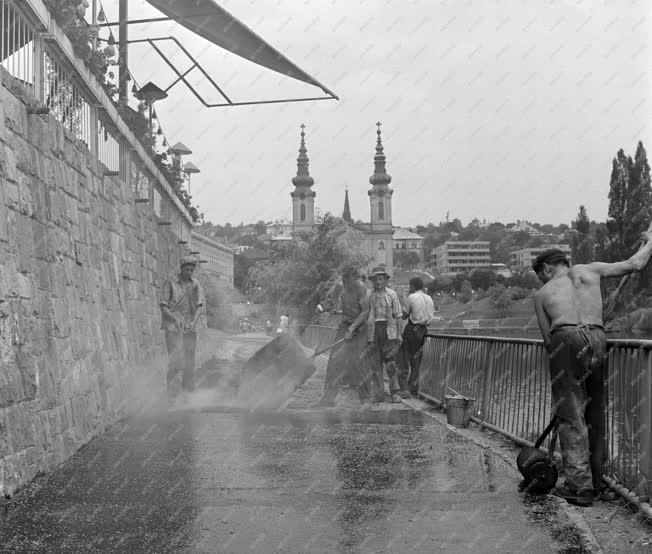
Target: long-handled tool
{"type": "Point", "coordinates": [457, 393]}
{"type": "Point", "coordinates": [538, 469]}
{"type": "Point", "coordinates": [612, 300]}
{"type": "Point", "coordinates": [327, 348]}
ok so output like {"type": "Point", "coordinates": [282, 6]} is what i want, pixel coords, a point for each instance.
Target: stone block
{"type": "Point", "coordinates": [15, 114]}
{"type": "Point", "coordinates": [81, 253]}
{"type": "Point", "coordinates": [4, 224]}
{"type": "Point", "coordinates": [25, 287]}
{"type": "Point", "coordinates": [25, 156]}
{"type": "Point", "coordinates": [26, 203]}
{"type": "Point", "coordinates": [60, 318]}
{"type": "Point", "coordinates": [41, 235]}
{"type": "Point", "coordinates": [8, 163]}
{"type": "Point", "coordinates": [38, 135]}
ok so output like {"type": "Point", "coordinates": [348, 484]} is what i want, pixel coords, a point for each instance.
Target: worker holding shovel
{"type": "Point", "coordinates": [344, 359]}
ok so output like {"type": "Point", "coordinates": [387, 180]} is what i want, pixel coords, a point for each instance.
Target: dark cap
{"type": "Point", "coordinates": [552, 256]}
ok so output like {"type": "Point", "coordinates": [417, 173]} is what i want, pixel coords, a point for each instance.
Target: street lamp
{"type": "Point", "coordinates": [179, 149]}
{"type": "Point", "coordinates": [149, 94]}
{"type": "Point", "coordinates": [189, 169]}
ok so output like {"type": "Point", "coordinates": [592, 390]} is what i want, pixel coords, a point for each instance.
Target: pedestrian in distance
{"type": "Point", "coordinates": [284, 324]}
{"type": "Point", "coordinates": [569, 313]}
{"type": "Point", "coordinates": [419, 313]}
{"type": "Point", "coordinates": [384, 333]}
{"type": "Point", "coordinates": [268, 328]}
{"type": "Point", "coordinates": [182, 300]}
{"type": "Point", "coordinates": [344, 362]}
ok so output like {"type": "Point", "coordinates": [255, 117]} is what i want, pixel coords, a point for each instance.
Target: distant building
{"type": "Point", "coordinates": [280, 230]}
{"type": "Point", "coordinates": [461, 256]}
{"type": "Point", "coordinates": [217, 258]}
{"type": "Point", "coordinates": [523, 226]}
{"type": "Point", "coordinates": [407, 241]}
{"type": "Point", "coordinates": [501, 269]}
{"type": "Point", "coordinates": [522, 258]}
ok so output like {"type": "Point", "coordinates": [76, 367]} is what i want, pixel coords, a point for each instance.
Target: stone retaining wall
{"type": "Point", "coordinates": [80, 270]}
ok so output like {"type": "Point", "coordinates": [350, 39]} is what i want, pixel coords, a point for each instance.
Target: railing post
{"type": "Point", "coordinates": [646, 424]}
{"type": "Point", "coordinates": [488, 379]}
{"type": "Point", "coordinates": [94, 145]}
{"type": "Point", "coordinates": [39, 68]}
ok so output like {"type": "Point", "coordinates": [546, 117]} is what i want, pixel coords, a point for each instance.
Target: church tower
{"type": "Point", "coordinates": [303, 197]}
{"type": "Point", "coordinates": [346, 213]}
{"type": "Point", "coordinates": [380, 201]}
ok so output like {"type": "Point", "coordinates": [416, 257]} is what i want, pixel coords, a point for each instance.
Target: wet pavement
{"type": "Point", "coordinates": [216, 478]}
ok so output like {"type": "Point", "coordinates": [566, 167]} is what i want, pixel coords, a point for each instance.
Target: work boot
{"type": "Point", "coordinates": [404, 394]}
{"type": "Point", "coordinates": [396, 399]}
{"type": "Point", "coordinates": [582, 497]}
{"type": "Point", "coordinates": [606, 494]}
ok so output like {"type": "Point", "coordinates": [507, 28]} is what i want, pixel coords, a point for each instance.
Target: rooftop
{"type": "Point", "coordinates": [402, 234]}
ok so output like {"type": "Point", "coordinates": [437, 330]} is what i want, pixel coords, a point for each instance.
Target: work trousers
{"type": "Point", "coordinates": [383, 353]}
{"type": "Point", "coordinates": [181, 357]}
{"type": "Point", "coordinates": [410, 354]}
{"type": "Point", "coordinates": [345, 362]}
{"type": "Point", "coordinates": [577, 372]}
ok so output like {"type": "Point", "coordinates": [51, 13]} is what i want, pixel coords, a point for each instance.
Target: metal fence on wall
{"type": "Point", "coordinates": [17, 44]}
{"type": "Point", "coordinates": [47, 68]}
{"type": "Point", "coordinates": [510, 380]}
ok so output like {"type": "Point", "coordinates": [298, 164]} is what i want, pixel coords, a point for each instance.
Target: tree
{"type": "Point", "coordinates": [619, 186]}
{"type": "Point", "coordinates": [459, 280]}
{"type": "Point", "coordinates": [501, 298]}
{"type": "Point", "coordinates": [482, 279]}
{"type": "Point", "coordinates": [466, 293]}
{"type": "Point", "coordinates": [582, 240]}
{"type": "Point", "coordinates": [307, 271]}
{"type": "Point", "coordinates": [406, 260]}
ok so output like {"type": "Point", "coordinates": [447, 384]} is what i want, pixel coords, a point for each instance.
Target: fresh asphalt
{"type": "Point", "coordinates": [213, 477]}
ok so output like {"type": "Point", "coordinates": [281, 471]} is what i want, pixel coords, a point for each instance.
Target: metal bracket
{"type": "Point", "coordinates": [197, 65]}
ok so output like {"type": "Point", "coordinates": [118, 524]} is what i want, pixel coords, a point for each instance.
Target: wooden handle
{"type": "Point", "coordinates": [623, 281]}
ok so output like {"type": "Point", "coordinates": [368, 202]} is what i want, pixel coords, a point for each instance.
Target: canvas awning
{"type": "Point", "coordinates": [215, 24]}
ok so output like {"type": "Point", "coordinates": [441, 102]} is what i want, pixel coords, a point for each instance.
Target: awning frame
{"type": "Point", "coordinates": [196, 64]}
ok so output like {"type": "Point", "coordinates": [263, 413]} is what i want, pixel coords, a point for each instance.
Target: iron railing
{"type": "Point", "coordinates": [37, 54]}
{"type": "Point", "coordinates": [17, 44]}
{"type": "Point", "coordinates": [509, 379]}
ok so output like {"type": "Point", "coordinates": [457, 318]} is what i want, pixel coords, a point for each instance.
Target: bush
{"type": "Point", "coordinates": [519, 293]}
{"type": "Point", "coordinates": [466, 293]}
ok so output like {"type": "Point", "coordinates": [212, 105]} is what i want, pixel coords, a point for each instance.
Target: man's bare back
{"type": "Point", "coordinates": [572, 298]}
{"type": "Point", "coordinates": [571, 295]}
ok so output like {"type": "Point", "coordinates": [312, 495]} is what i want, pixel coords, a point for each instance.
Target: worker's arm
{"type": "Point", "coordinates": [407, 310]}
{"type": "Point", "coordinates": [543, 320]}
{"type": "Point", "coordinates": [200, 305]}
{"type": "Point", "coordinates": [166, 296]}
{"type": "Point", "coordinates": [617, 269]}
{"type": "Point", "coordinates": [362, 316]}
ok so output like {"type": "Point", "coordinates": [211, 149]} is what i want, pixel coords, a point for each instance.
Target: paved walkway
{"type": "Point", "coordinates": [210, 477]}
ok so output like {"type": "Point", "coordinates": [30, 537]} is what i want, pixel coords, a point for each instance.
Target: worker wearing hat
{"type": "Point", "coordinates": [383, 333]}
{"type": "Point", "coordinates": [182, 300]}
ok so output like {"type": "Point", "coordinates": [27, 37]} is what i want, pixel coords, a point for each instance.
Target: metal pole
{"type": "Point", "coordinates": [94, 8]}
{"type": "Point", "coordinates": [123, 55]}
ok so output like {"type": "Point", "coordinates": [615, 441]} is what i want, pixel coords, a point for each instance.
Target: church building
{"type": "Point", "coordinates": [378, 233]}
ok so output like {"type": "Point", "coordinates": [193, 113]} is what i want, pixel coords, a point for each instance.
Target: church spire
{"type": "Point", "coordinates": [303, 177]}
{"type": "Point", "coordinates": [346, 214]}
{"type": "Point", "coordinates": [380, 176]}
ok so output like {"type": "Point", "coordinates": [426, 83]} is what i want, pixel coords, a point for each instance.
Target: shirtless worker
{"type": "Point", "coordinates": [569, 312]}
{"type": "Point", "coordinates": [344, 361]}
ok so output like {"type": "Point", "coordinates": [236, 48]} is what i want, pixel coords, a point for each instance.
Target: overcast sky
{"type": "Point", "coordinates": [500, 109]}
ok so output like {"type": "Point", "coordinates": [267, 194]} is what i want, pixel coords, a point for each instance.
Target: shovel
{"type": "Point", "coordinates": [327, 348]}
